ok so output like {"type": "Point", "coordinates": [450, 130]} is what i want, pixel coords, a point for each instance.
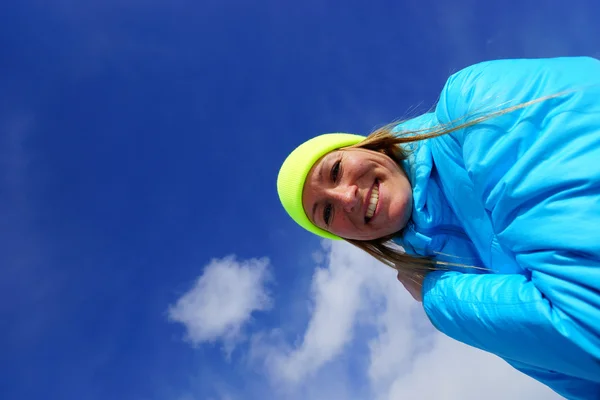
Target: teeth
{"type": "Point", "coordinates": [373, 202]}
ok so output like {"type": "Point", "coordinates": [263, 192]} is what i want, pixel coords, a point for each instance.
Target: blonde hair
{"type": "Point", "coordinates": [384, 140]}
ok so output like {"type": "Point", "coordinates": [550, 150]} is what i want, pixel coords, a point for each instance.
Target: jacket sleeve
{"type": "Point", "coordinates": [536, 173]}
{"type": "Point", "coordinates": [507, 316]}
{"type": "Point", "coordinates": [569, 387]}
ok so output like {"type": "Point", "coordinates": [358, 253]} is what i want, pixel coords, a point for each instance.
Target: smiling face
{"type": "Point", "coordinates": [357, 194]}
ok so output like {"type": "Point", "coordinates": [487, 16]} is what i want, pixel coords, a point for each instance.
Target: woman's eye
{"type": "Point", "coordinates": [327, 214]}
{"type": "Point", "coordinates": [335, 171]}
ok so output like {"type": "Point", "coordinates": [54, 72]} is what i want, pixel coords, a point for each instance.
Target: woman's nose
{"type": "Point", "coordinates": [347, 196]}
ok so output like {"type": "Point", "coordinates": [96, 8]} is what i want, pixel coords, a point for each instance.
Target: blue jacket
{"type": "Point", "coordinates": [520, 196]}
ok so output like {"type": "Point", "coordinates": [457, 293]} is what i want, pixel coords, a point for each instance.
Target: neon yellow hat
{"type": "Point", "coordinates": [295, 169]}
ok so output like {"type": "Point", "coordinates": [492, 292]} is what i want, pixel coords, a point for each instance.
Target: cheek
{"type": "Point", "coordinates": [343, 227]}
{"type": "Point", "coordinates": [341, 222]}
{"type": "Point", "coordinates": [405, 194]}
{"type": "Point", "coordinates": [359, 165]}
{"type": "Point", "coordinates": [400, 202]}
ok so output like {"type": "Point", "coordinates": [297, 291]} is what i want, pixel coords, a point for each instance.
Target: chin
{"type": "Point", "coordinates": [401, 219]}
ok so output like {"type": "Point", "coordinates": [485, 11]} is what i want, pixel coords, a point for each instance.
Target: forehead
{"type": "Point", "coordinates": [322, 160]}
{"type": "Point", "coordinates": [314, 182]}
{"type": "Point", "coordinates": [315, 174]}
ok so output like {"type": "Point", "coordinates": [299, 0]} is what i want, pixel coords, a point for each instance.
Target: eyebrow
{"type": "Point", "coordinates": [319, 180]}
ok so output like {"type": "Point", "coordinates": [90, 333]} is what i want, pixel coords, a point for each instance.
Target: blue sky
{"type": "Point", "coordinates": [143, 251]}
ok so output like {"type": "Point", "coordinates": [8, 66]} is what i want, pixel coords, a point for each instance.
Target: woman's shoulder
{"type": "Point", "coordinates": [493, 85]}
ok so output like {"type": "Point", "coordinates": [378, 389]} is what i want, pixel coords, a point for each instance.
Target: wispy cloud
{"type": "Point", "coordinates": [222, 300]}
{"type": "Point", "coordinates": [366, 337]}
{"type": "Point", "coordinates": [451, 370]}
{"type": "Point", "coordinates": [26, 282]}
{"type": "Point", "coordinates": [336, 300]}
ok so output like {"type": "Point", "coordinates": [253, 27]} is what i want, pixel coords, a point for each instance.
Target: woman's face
{"type": "Point", "coordinates": [357, 194]}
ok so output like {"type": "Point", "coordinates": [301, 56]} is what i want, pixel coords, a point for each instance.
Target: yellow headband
{"type": "Point", "coordinates": [295, 169]}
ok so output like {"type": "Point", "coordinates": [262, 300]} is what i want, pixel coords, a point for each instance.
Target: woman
{"type": "Point", "coordinates": [494, 197]}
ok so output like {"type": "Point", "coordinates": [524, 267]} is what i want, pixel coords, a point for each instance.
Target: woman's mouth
{"type": "Point", "coordinates": [373, 200]}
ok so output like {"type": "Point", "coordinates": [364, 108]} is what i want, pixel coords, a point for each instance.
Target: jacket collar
{"type": "Point", "coordinates": [429, 209]}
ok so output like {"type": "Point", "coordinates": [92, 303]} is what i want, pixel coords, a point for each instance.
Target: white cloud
{"type": "Point", "coordinates": [451, 370]}
{"type": "Point", "coordinates": [358, 301]}
{"type": "Point", "coordinates": [336, 300]}
{"type": "Point", "coordinates": [222, 300]}
{"type": "Point", "coordinates": [365, 337]}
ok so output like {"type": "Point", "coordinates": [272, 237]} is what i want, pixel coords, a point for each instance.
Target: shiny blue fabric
{"type": "Point", "coordinates": [519, 195]}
